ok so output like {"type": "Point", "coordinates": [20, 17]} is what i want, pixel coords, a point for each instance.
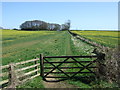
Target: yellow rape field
{"type": "Point", "coordinates": [106, 38]}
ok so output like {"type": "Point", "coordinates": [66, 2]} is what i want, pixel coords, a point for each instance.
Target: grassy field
{"type": "Point", "coordinates": [25, 45]}
{"type": "Point", "coordinates": [106, 38]}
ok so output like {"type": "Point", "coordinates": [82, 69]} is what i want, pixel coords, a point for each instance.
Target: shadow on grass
{"type": "Point", "coordinates": [84, 79]}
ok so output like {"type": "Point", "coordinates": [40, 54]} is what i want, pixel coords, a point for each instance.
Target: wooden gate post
{"type": "Point", "coordinates": [41, 66]}
{"type": "Point", "coordinates": [13, 80]}
{"type": "Point", "coordinates": [100, 65]}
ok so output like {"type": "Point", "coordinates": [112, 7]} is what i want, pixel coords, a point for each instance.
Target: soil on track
{"type": "Point", "coordinates": [61, 84]}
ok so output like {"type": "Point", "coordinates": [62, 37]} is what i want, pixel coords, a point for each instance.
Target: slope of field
{"type": "Point", "coordinates": [106, 38]}
{"type": "Point", "coordinates": [25, 45]}
{"type": "Point", "coordinates": [22, 45]}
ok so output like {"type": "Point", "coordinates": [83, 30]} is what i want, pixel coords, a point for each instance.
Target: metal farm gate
{"type": "Point", "coordinates": [57, 67]}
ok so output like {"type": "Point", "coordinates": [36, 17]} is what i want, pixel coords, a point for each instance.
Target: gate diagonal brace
{"type": "Point", "coordinates": [56, 67]}
{"type": "Point", "coordinates": [84, 67]}
{"type": "Point", "coordinates": [87, 66]}
{"type": "Point", "coordinates": [78, 62]}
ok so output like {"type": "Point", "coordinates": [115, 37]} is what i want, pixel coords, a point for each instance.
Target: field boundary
{"type": "Point", "coordinates": [94, 69]}
{"type": "Point", "coordinates": [109, 69]}
{"type": "Point", "coordinates": [87, 40]}
{"type": "Point", "coordinates": [11, 72]}
{"type": "Point", "coordinates": [15, 77]}
{"type": "Point", "coordinates": [36, 66]}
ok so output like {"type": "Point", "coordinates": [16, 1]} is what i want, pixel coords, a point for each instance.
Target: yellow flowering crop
{"type": "Point", "coordinates": [106, 38]}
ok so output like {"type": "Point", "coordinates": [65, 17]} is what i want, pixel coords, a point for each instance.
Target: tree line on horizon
{"type": "Point", "coordinates": [37, 25]}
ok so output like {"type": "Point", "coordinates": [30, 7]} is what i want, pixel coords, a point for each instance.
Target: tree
{"type": "Point", "coordinates": [51, 27]}
{"type": "Point", "coordinates": [34, 25]}
{"type": "Point", "coordinates": [57, 27]}
{"type": "Point", "coordinates": [66, 26]}
{"type": "Point", "coordinates": [41, 25]}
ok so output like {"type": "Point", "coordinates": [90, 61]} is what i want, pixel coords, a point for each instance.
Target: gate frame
{"type": "Point", "coordinates": [42, 58]}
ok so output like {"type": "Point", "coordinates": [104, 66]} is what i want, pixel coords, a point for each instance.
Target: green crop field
{"type": "Point", "coordinates": [24, 45]}
{"type": "Point", "coordinates": [106, 38]}
{"type": "Point", "coordinates": [19, 46]}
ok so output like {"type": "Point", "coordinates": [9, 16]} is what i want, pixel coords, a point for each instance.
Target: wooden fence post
{"type": "Point", "coordinates": [41, 65]}
{"type": "Point", "coordinates": [13, 80]}
{"type": "Point", "coordinates": [36, 67]}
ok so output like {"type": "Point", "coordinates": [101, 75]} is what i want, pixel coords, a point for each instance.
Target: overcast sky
{"type": "Point", "coordinates": [83, 15]}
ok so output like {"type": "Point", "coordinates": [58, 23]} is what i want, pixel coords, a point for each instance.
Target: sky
{"type": "Point", "coordinates": [83, 15]}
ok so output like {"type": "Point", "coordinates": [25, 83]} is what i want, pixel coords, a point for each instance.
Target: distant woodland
{"type": "Point", "coordinates": [37, 25]}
